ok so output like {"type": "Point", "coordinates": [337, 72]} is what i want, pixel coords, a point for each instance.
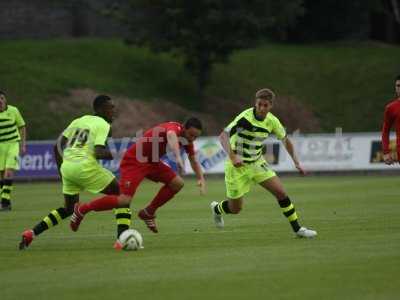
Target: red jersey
{"type": "Point", "coordinates": [391, 117]}
{"type": "Point", "coordinates": [153, 144]}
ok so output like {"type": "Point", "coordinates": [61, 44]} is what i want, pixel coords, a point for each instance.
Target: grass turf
{"type": "Point", "coordinates": [356, 255]}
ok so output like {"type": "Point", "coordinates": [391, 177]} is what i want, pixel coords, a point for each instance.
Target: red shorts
{"type": "Point", "coordinates": [132, 172]}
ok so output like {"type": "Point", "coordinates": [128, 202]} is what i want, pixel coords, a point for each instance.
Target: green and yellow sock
{"type": "Point", "coordinates": [6, 192]}
{"type": "Point", "coordinates": [290, 213]}
{"type": "Point", "coordinates": [123, 216]}
{"type": "Point", "coordinates": [51, 220]}
{"type": "Point", "coordinates": [222, 208]}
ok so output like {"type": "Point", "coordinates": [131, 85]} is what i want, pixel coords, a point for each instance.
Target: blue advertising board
{"type": "Point", "coordinates": [38, 163]}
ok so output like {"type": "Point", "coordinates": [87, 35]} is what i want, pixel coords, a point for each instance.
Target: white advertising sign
{"type": "Point", "coordinates": [316, 152]}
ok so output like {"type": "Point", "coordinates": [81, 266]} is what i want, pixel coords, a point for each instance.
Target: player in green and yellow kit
{"type": "Point", "coordinates": [243, 140]}
{"type": "Point", "coordinates": [81, 145]}
{"type": "Point", "coordinates": [12, 143]}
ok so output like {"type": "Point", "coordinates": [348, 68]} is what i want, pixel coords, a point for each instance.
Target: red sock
{"type": "Point", "coordinates": [164, 195]}
{"type": "Point", "coordinates": [100, 204]}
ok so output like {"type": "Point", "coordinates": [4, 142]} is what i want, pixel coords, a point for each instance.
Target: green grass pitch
{"type": "Point", "coordinates": [256, 256]}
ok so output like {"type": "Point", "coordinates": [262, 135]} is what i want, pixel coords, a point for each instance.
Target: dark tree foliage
{"type": "Point", "coordinates": [331, 20]}
{"type": "Point", "coordinates": [206, 32]}
{"type": "Point", "coordinates": [385, 21]}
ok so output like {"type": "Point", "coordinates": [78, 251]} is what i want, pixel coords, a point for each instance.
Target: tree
{"type": "Point", "coordinates": [205, 32]}
{"type": "Point", "coordinates": [332, 20]}
{"type": "Point", "coordinates": [79, 16]}
{"type": "Point", "coordinates": [390, 11]}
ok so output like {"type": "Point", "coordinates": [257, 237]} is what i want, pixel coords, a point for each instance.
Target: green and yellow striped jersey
{"type": "Point", "coordinates": [247, 134]}
{"type": "Point", "coordinates": [83, 135]}
{"type": "Point", "coordinates": [10, 121]}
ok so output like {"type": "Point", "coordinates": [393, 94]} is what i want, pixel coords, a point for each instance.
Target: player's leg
{"type": "Point", "coordinates": [7, 188]}
{"type": "Point", "coordinates": [52, 219]}
{"type": "Point", "coordinates": [166, 193]}
{"type": "Point", "coordinates": [131, 176]}
{"type": "Point", "coordinates": [71, 191]}
{"type": "Point", "coordinates": [1, 187]}
{"type": "Point", "coordinates": [274, 185]}
{"type": "Point", "coordinates": [1, 181]}
{"type": "Point", "coordinates": [123, 216]}
{"type": "Point", "coordinates": [237, 183]}
{"type": "Point", "coordinates": [107, 202]}
{"type": "Point", "coordinates": [3, 158]}
{"type": "Point", "coordinates": [120, 204]}
{"type": "Point", "coordinates": [112, 200]}
{"type": "Point", "coordinates": [228, 206]}
{"type": "Point", "coordinates": [11, 153]}
{"type": "Point", "coordinates": [172, 185]}
{"type": "Point", "coordinates": [57, 215]}
{"type": "Point", "coordinates": [96, 180]}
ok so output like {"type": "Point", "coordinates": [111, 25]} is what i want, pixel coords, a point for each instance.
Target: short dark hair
{"type": "Point", "coordinates": [397, 78]}
{"type": "Point", "coordinates": [193, 122]}
{"type": "Point", "coordinates": [2, 93]}
{"type": "Point", "coordinates": [99, 101]}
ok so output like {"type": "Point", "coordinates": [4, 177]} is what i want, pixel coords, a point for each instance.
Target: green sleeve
{"type": "Point", "coordinates": [19, 121]}
{"type": "Point", "coordinates": [231, 125]}
{"type": "Point", "coordinates": [102, 134]}
{"type": "Point", "coordinates": [231, 128]}
{"type": "Point", "coordinates": [278, 129]}
{"type": "Point", "coordinates": [69, 130]}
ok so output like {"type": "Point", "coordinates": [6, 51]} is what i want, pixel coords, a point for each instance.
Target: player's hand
{"type": "Point", "coordinates": [201, 183]}
{"type": "Point", "coordinates": [236, 161]}
{"type": "Point", "coordinates": [22, 149]}
{"type": "Point", "coordinates": [388, 159]}
{"type": "Point", "coordinates": [300, 169]}
{"type": "Point", "coordinates": [180, 165]}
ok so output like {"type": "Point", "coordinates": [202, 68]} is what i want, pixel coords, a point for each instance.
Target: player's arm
{"type": "Point", "coordinates": [173, 144]}
{"type": "Point", "coordinates": [290, 149]}
{"type": "Point", "coordinates": [58, 149]}
{"type": "Point", "coordinates": [387, 124]}
{"type": "Point", "coordinates": [201, 182]}
{"type": "Point", "coordinates": [19, 121]}
{"type": "Point", "coordinates": [22, 134]}
{"type": "Point", "coordinates": [224, 138]}
{"type": "Point", "coordinates": [101, 151]}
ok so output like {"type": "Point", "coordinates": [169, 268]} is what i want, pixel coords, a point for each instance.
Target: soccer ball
{"type": "Point", "coordinates": [131, 240]}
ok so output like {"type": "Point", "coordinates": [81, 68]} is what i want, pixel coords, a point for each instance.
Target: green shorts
{"type": "Point", "coordinates": [9, 156]}
{"type": "Point", "coordinates": [77, 177]}
{"type": "Point", "coordinates": [239, 180]}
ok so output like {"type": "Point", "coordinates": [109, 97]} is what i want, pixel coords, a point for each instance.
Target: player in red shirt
{"type": "Point", "coordinates": [391, 117]}
{"type": "Point", "coordinates": [143, 160]}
